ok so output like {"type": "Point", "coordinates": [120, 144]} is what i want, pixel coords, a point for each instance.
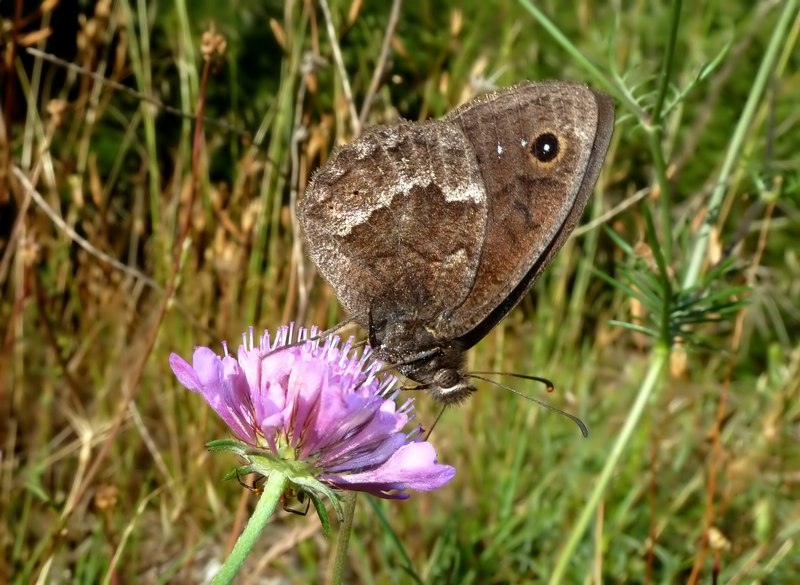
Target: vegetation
{"type": "Point", "coordinates": [148, 178]}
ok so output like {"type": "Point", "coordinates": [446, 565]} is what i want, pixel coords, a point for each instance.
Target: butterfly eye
{"type": "Point", "coordinates": [545, 148]}
{"type": "Point", "coordinates": [446, 378]}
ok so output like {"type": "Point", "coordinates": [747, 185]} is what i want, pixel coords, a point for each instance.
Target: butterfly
{"type": "Point", "coordinates": [431, 232]}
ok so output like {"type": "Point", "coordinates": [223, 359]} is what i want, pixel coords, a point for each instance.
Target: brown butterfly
{"type": "Point", "coordinates": [431, 232]}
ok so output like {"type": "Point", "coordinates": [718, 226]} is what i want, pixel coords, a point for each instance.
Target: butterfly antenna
{"type": "Point", "coordinates": [573, 418]}
{"type": "Point", "coordinates": [549, 386]}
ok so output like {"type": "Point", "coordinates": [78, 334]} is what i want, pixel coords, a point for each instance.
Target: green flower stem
{"type": "Point", "coordinates": [276, 484]}
{"type": "Point", "coordinates": [658, 363]}
{"type": "Point", "coordinates": [339, 561]}
{"type": "Point", "coordinates": [669, 58]}
{"type": "Point", "coordinates": [737, 141]}
{"type": "Point", "coordinates": [655, 128]}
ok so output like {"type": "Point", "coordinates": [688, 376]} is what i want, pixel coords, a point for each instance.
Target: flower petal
{"type": "Point", "coordinates": [306, 383]}
{"type": "Point", "coordinates": [341, 418]}
{"type": "Point", "coordinates": [184, 372]}
{"type": "Point", "coordinates": [216, 379]}
{"type": "Point", "coordinates": [349, 454]}
{"type": "Point", "coordinates": [413, 466]}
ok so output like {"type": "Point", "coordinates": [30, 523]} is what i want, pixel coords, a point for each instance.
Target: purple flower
{"type": "Point", "coordinates": [321, 410]}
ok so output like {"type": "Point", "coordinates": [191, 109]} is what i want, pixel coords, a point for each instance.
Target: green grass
{"type": "Point", "coordinates": [690, 472]}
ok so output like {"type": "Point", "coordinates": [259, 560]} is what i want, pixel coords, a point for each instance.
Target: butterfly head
{"type": "Point", "coordinates": [409, 345]}
{"type": "Point", "coordinates": [449, 386]}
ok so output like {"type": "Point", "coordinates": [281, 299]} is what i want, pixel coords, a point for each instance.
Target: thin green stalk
{"type": "Point", "coordinates": [140, 62]}
{"type": "Point", "coordinates": [658, 362]}
{"type": "Point", "coordinates": [339, 561]}
{"type": "Point", "coordinates": [655, 141]}
{"type": "Point", "coordinates": [737, 141]}
{"type": "Point", "coordinates": [664, 276]}
{"type": "Point", "coordinates": [579, 57]}
{"type": "Point", "coordinates": [669, 58]}
{"type": "Point", "coordinates": [32, 121]}
{"type": "Point", "coordinates": [655, 131]}
{"type": "Point", "coordinates": [281, 131]}
{"type": "Point", "coordinates": [408, 565]}
{"type": "Point", "coordinates": [276, 484]}
{"type": "Point", "coordinates": [186, 65]}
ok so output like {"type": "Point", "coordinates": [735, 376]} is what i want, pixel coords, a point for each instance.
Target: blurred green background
{"type": "Point", "coordinates": [132, 250]}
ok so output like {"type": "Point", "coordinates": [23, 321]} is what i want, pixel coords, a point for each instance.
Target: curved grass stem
{"type": "Point", "coordinates": [658, 362]}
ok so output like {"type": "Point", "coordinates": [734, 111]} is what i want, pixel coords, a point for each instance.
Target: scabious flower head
{"type": "Point", "coordinates": [317, 410]}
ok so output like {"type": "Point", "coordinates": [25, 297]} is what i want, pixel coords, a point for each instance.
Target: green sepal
{"type": "Point", "coordinates": [229, 445]}
{"type": "Point", "coordinates": [322, 513]}
{"type": "Point", "coordinates": [314, 487]}
{"type": "Point", "coordinates": [239, 472]}
{"type": "Point", "coordinates": [300, 475]}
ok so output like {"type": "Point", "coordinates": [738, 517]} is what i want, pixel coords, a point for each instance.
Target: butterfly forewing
{"type": "Point", "coordinates": [394, 222]}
